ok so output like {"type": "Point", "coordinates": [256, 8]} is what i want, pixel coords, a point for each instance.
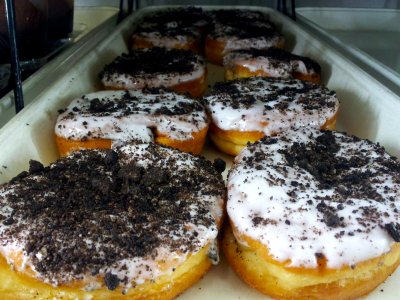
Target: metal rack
{"type": "Point", "coordinates": [15, 64]}
{"type": "Point", "coordinates": [16, 70]}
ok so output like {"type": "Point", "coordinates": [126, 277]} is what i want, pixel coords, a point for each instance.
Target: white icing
{"type": "Point", "coordinates": [234, 43]}
{"type": "Point", "coordinates": [154, 34]}
{"type": "Point", "coordinates": [159, 40]}
{"type": "Point", "coordinates": [227, 35]}
{"type": "Point", "coordinates": [143, 80]}
{"type": "Point", "coordinates": [134, 126]}
{"type": "Point", "coordinates": [263, 192]}
{"type": "Point", "coordinates": [273, 67]}
{"type": "Point", "coordinates": [257, 118]}
{"type": "Point", "coordinates": [300, 67]}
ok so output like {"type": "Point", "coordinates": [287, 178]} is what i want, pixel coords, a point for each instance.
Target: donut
{"type": "Point", "coordinates": [271, 62]}
{"type": "Point", "coordinates": [170, 35]}
{"type": "Point", "coordinates": [184, 16]}
{"type": "Point", "coordinates": [245, 110]}
{"type": "Point", "coordinates": [179, 70]}
{"type": "Point", "coordinates": [314, 215]}
{"type": "Point", "coordinates": [231, 15]}
{"type": "Point", "coordinates": [101, 119]}
{"type": "Point", "coordinates": [236, 31]}
{"type": "Point", "coordinates": [137, 222]}
{"type": "Point", "coordinates": [174, 28]}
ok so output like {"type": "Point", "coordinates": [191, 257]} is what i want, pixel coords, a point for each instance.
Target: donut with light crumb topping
{"type": "Point", "coordinates": [174, 28]}
{"type": "Point", "coordinates": [271, 62]}
{"type": "Point", "coordinates": [101, 119]}
{"type": "Point", "coordinates": [245, 110]}
{"type": "Point", "coordinates": [130, 223]}
{"type": "Point", "coordinates": [314, 215]}
{"type": "Point", "coordinates": [179, 70]}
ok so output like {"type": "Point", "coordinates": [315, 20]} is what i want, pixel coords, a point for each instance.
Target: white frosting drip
{"type": "Point", "coordinates": [133, 126]}
{"type": "Point", "coordinates": [257, 118]}
{"type": "Point", "coordinates": [138, 269]}
{"type": "Point", "coordinates": [262, 191]}
{"type": "Point", "coordinates": [143, 80]}
{"type": "Point", "coordinates": [141, 269]}
{"type": "Point", "coordinates": [300, 67]}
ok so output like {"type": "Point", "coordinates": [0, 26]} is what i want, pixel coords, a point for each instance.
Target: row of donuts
{"type": "Point", "coordinates": [314, 214]}
{"type": "Point", "coordinates": [245, 42]}
{"type": "Point", "coordinates": [241, 110]}
{"type": "Point", "coordinates": [215, 32]}
{"type": "Point", "coordinates": [154, 238]}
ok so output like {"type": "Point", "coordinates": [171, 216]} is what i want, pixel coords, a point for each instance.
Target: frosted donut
{"type": "Point", "coordinates": [245, 110]}
{"type": "Point", "coordinates": [179, 70]}
{"type": "Point", "coordinates": [174, 28]}
{"type": "Point", "coordinates": [102, 224]}
{"type": "Point", "coordinates": [184, 16]}
{"type": "Point", "coordinates": [170, 35]}
{"type": "Point", "coordinates": [231, 15]}
{"type": "Point", "coordinates": [314, 215]}
{"type": "Point", "coordinates": [234, 33]}
{"type": "Point", "coordinates": [271, 62]}
{"type": "Point", "coordinates": [101, 119]}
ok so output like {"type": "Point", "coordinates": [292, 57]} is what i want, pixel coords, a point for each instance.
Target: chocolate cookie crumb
{"type": "Point", "coordinates": [219, 164]}
{"type": "Point", "coordinates": [394, 231]}
{"type": "Point", "coordinates": [35, 166]}
{"type": "Point", "coordinates": [111, 281]}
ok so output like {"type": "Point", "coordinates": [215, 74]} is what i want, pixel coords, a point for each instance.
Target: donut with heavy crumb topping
{"type": "Point", "coordinates": [240, 29]}
{"type": "Point", "coordinates": [188, 16]}
{"type": "Point", "coordinates": [104, 224]}
{"type": "Point", "coordinates": [314, 215]}
{"type": "Point", "coordinates": [179, 70]}
{"type": "Point", "coordinates": [100, 119]}
{"type": "Point", "coordinates": [245, 110]}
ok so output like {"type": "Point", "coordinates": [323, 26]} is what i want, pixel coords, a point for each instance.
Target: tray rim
{"type": "Point", "coordinates": [387, 76]}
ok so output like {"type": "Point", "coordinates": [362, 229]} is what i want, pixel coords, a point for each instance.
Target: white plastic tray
{"type": "Point", "coordinates": [370, 36]}
{"type": "Point", "coordinates": [368, 110]}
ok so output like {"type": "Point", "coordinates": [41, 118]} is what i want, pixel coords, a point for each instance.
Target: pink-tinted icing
{"type": "Point", "coordinates": [308, 194]}
{"type": "Point", "coordinates": [131, 115]}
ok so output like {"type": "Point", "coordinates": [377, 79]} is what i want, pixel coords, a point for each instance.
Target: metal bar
{"type": "Point", "coordinates": [130, 6]}
{"type": "Point", "coordinates": [284, 8]}
{"type": "Point", "coordinates": [15, 66]}
{"type": "Point", "coordinates": [293, 10]}
{"type": "Point", "coordinates": [121, 11]}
